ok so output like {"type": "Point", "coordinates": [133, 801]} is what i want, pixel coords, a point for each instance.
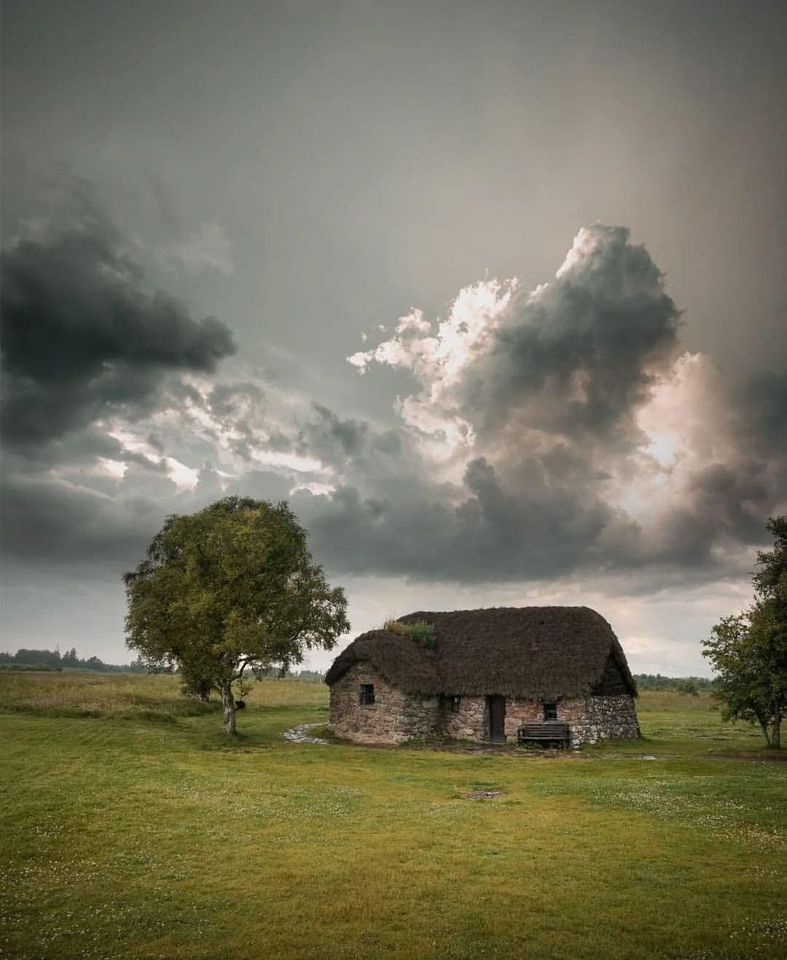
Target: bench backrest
{"type": "Point", "coordinates": [544, 731]}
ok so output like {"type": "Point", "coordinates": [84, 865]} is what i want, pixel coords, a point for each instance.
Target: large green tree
{"type": "Point", "coordinates": [230, 591]}
{"type": "Point", "coordinates": [748, 651]}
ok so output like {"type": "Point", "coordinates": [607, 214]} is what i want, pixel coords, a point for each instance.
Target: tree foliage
{"type": "Point", "coordinates": [770, 581]}
{"type": "Point", "coordinates": [748, 651]}
{"type": "Point", "coordinates": [227, 590]}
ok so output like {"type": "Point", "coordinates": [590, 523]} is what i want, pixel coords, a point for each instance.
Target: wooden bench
{"type": "Point", "coordinates": [550, 732]}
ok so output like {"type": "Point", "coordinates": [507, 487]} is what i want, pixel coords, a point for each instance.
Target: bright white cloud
{"type": "Point", "coordinates": [288, 461]}
{"type": "Point", "coordinates": [116, 469]}
{"type": "Point", "coordinates": [440, 355]}
{"type": "Point", "coordinates": [184, 478]}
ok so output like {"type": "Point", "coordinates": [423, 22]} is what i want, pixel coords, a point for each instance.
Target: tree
{"type": "Point", "coordinates": [748, 651]}
{"type": "Point", "coordinates": [227, 590]}
{"type": "Point", "coordinates": [770, 581]}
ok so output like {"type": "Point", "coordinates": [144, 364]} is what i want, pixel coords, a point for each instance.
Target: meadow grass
{"type": "Point", "coordinates": [132, 829]}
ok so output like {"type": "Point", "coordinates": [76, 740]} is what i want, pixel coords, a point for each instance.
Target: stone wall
{"type": "Point", "coordinates": [590, 718]}
{"type": "Point", "coordinates": [396, 716]}
{"type": "Point", "coordinates": [522, 711]}
{"type": "Point", "coordinates": [600, 718]}
{"type": "Point", "coordinates": [470, 722]}
{"type": "Point", "coordinates": [393, 717]}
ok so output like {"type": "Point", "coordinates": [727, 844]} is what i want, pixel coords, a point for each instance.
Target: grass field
{"type": "Point", "coordinates": [132, 829]}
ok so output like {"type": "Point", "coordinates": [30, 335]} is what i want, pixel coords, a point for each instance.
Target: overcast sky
{"type": "Point", "coordinates": [492, 292]}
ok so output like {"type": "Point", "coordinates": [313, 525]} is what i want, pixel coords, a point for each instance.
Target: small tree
{"type": "Point", "coordinates": [748, 651]}
{"type": "Point", "coordinates": [227, 590]}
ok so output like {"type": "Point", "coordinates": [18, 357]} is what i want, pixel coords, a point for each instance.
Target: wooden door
{"type": "Point", "coordinates": [497, 717]}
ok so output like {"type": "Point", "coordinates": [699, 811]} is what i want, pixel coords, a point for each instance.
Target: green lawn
{"type": "Point", "coordinates": [131, 829]}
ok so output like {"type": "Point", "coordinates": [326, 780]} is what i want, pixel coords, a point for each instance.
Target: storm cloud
{"type": "Point", "coordinates": [85, 336]}
{"type": "Point", "coordinates": [547, 433]}
{"type": "Point", "coordinates": [576, 356]}
{"type": "Point", "coordinates": [554, 431]}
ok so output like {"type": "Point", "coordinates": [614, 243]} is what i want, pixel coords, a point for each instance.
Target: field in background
{"type": "Point", "coordinates": [131, 829]}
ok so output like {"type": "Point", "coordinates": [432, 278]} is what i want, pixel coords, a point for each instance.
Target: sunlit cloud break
{"type": "Point", "coordinates": [568, 416]}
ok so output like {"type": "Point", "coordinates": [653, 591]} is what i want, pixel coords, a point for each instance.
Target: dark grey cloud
{"type": "Point", "coordinates": [331, 436]}
{"type": "Point", "coordinates": [541, 530]}
{"type": "Point", "coordinates": [352, 444]}
{"type": "Point", "coordinates": [421, 530]}
{"type": "Point", "coordinates": [721, 504]}
{"type": "Point", "coordinates": [425, 540]}
{"type": "Point", "coordinates": [84, 524]}
{"type": "Point", "coordinates": [581, 357]}
{"type": "Point", "coordinates": [84, 336]}
{"type": "Point", "coordinates": [764, 404]}
{"type": "Point", "coordinates": [57, 525]}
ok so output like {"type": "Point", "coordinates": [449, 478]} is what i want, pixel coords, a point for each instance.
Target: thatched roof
{"type": "Point", "coordinates": [540, 653]}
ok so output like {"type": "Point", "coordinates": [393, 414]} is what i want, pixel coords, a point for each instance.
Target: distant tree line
{"type": "Point", "coordinates": [33, 659]}
{"type": "Point", "coordinates": [655, 681]}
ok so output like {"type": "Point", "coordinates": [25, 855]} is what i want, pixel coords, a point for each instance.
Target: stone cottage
{"type": "Point", "coordinates": [529, 674]}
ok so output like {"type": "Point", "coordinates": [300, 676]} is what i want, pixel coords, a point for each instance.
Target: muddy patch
{"type": "Point", "coordinates": [751, 758]}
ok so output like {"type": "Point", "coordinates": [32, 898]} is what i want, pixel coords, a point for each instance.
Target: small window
{"type": "Point", "coordinates": [550, 711]}
{"type": "Point", "coordinates": [454, 703]}
{"type": "Point", "coordinates": [367, 694]}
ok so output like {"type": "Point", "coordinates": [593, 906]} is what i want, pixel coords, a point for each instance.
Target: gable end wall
{"type": "Point", "coordinates": [597, 718]}
{"type": "Point", "coordinates": [393, 717]}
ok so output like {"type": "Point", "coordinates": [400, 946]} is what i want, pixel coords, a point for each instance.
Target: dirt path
{"type": "Point", "coordinates": [300, 734]}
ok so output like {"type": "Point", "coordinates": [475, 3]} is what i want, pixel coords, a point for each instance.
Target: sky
{"type": "Point", "coordinates": [494, 294]}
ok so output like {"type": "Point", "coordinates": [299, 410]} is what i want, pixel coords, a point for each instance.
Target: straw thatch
{"type": "Point", "coordinates": [538, 653]}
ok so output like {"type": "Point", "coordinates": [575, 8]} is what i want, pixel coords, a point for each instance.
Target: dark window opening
{"type": "Point", "coordinates": [550, 711]}
{"type": "Point", "coordinates": [367, 693]}
{"type": "Point", "coordinates": [454, 702]}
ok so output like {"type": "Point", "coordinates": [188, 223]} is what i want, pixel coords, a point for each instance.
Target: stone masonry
{"type": "Point", "coordinates": [394, 716]}
{"type": "Point", "coordinates": [589, 718]}
{"type": "Point", "coordinates": [470, 722]}
{"type": "Point", "coordinates": [600, 718]}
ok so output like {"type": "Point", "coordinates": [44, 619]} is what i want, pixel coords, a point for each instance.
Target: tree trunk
{"type": "Point", "coordinates": [762, 719]}
{"type": "Point", "coordinates": [228, 702]}
{"type": "Point", "coordinates": [776, 736]}
{"type": "Point", "coordinates": [765, 732]}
